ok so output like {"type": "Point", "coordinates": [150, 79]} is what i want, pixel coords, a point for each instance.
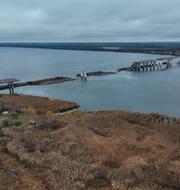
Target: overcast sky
{"type": "Point", "coordinates": [89, 20]}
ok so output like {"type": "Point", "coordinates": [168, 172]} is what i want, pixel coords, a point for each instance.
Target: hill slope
{"type": "Point", "coordinates": [105, 150]}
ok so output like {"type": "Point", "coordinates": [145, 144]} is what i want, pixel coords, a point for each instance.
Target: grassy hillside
{"type": "Point", "coordinates": [105, 150]}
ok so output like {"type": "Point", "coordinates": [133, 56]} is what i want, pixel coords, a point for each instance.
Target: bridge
{"type": "Point", "coordinates": [9, 83]}
{"type": "Point", "coordinates": [138, 66]}
{"type": "Point", "coordinates": [150, 65]}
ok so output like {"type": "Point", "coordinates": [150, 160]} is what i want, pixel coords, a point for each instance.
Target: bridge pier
{"type": "Point", "coordinates": [139, 67]}
{"type": "Point", "coordinates": [158, 64]}
{"type": "Point", "coordinates": [143, 67]}
{"type": "Point", "coordinates": [150, 66]}
{"type": "Point", "coordinates": [168, 64]}
{"type": "Point", "coordinates": [146, 66]}
{"type": "Point", "coordinates": [154, 65]}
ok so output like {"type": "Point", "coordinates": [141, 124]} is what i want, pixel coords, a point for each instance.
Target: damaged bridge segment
{"type": "Point", "coordinates": [150, 65]}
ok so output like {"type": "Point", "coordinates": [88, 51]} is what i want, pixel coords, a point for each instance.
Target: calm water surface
{"type": "Point", "coordinates": [142, 92]}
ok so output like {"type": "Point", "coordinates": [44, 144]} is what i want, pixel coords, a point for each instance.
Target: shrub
{"type": "Point", "coordinates": [97, 178]}
{"type": "Point", "coordinates": [111, 162]}
{"type": "Point", "coordinates": [8, 122]}
{"type": "Point", "coordinates": [50, 115]}
{"type": "Point", "coordinates": [23, 120]}
{"type": "Point", "coordinates": [28, 143]}
{"type": "Point", "coordinates": [29, 110]}
{"type": "Point", "coordinates": [44, 123]}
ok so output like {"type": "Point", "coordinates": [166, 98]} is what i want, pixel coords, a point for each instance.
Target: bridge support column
{"type": "Point", "coordinates": [150, 65]}
{"type": "Point", "coordinates": [139, 67]}
{"type": "Point", "coordinates": [168, 64]}
{"type": "Point", "coordinates": [158, 65]}
{"type": "Point", "coordinates": [143, 66]}
{"type": "Point", "coordinates": [154, 66]}
{"type": "Point", "coordinates": [11, 88]}
{"type": "Point", "coordinates": [146, 66]}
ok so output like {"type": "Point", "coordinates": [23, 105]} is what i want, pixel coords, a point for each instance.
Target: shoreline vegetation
{"type": "Point", "coordinates": [81, 150]}
{"type": "Point", "coordinates": [131, 47]}
{"type": "Point", "coordinates": [40, 105]}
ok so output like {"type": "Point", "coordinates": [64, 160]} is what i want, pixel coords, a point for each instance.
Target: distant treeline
{"type": "Point", "coordinates": [163, 48]}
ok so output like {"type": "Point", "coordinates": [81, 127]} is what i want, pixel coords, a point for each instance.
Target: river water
{"type": "Point", "coordinates": [141, 92]}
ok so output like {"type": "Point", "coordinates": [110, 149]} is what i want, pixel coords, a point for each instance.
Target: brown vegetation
{"type": "Point", "coordinates": [107, 150]}
{"type": "Point", "coordinates": [39, 105]}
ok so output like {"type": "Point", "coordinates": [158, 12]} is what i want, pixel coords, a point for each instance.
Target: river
{"type": "Point", "coordinates": [141, 92]}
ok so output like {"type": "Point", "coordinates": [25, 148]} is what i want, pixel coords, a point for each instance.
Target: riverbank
{"type": "Point", "coordinates": [38, 105]}
{"type": "Point", "coordinates": [40, 149]}
{"type": "Point", "coordinates": [129, 47]}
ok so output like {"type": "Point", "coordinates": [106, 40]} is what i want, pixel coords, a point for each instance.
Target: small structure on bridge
{"type": "Point", "coordinates": [10, 83]}
{"type": "Point", "coordinates": [83, 75]}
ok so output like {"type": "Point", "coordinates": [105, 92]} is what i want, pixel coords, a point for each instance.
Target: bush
{"type": "Point", "coordinates": [97, 178]}
{"type": "Point", "coordinates": [111, 162]}
{"type": "Point", "coordinates": [51, 115]}
{"type": "Point", "coordinates": [5, 106]}
{"type": "Point", "coordinates": [29, 110]}
{"type": "Point", "coordinates": [28, 143]}
{"type": "Point", "coordinates": [8, 122]}
{"type": "Point", "coordinates": [44, 123]}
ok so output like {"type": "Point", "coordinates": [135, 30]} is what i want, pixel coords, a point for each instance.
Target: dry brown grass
{"type": "Point", "coordinates": [34, 104]}
{"type": "Point", "coordinates": [13, 174]}
{"type": "Point", "coordinates": [107, 150]}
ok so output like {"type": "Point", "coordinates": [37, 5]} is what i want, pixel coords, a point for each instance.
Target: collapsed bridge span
{"type": "Point", "coordinates": [150, 65]}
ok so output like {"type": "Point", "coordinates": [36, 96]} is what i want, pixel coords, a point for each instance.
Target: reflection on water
{"type": "Point", "coordinates": [144, 92]}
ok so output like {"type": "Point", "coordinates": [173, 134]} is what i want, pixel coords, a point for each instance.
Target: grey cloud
{"type": "Point", "coordinates": [84, 20]}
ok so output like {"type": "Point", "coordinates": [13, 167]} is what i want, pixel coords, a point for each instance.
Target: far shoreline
{"type": "Point", "coordinates": [147, 48]}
